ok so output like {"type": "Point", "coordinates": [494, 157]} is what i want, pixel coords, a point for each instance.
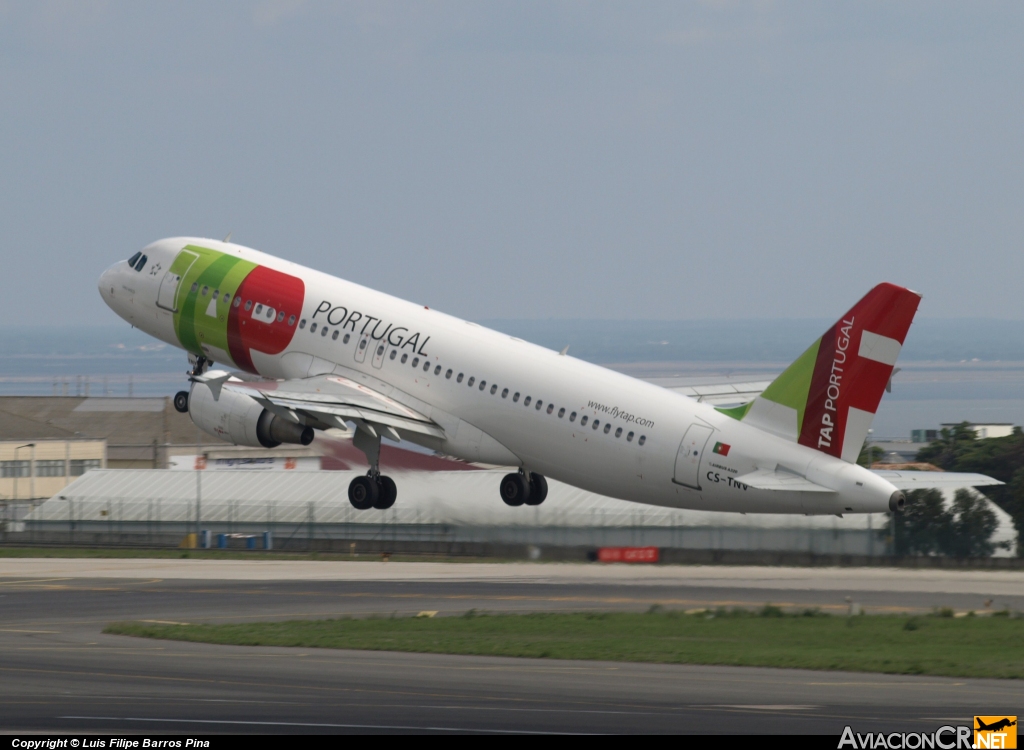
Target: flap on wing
{"type": "Point", "coordinates": [937, 480]}
{"type": "Point", "coordinates": [335, 399]}
{"type": "Point", "coordinates": [776, 479]}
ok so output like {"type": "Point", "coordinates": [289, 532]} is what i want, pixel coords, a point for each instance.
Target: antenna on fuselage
{"type": "Point", "coordinates": [562, 353]}
{"type": "Point", "coordinates": [228, 238]}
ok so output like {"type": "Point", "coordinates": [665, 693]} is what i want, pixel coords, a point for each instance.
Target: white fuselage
{"type": "Point", "coordinates": [635, 452]}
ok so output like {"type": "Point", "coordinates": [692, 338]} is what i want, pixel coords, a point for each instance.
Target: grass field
{"type": "Point", "coordinates": [935, 645]}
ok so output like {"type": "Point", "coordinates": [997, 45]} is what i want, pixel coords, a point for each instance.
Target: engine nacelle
{"type": "Point", "coordinates": [240, 420]}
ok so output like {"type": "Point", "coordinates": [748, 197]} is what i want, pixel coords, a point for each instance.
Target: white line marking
{"type": "Point", "coordinates": [311, 724]}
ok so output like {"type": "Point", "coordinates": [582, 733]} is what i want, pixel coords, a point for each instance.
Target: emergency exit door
{"type": "Point", "coordinates": [691, 450]}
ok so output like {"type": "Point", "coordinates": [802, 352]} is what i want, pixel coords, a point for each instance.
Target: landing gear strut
{"type": "Point", "coordinates": [373, 490]}
{"type": "Point", "coordinates": [520, 488]}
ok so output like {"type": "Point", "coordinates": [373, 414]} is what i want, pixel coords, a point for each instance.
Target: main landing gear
{"type": "Point", "coordinates": [520, 489]}
{"type": "Point", "coordinates": [374, 490]}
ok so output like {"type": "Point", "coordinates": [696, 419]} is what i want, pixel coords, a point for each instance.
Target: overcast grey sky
{"type": "Point", "coordinates": [524, 160]}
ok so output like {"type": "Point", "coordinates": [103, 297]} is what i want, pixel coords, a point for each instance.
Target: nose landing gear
{"type": "Point", "coordinates": [519, 489]}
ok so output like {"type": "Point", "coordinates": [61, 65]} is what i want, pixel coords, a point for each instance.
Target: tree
{"type": "Point", "coordinates": [869, 454]}
{"type": "Point", "coordinates": [972, 527]}
{"type": "Point", "coordinates": [924, 525]}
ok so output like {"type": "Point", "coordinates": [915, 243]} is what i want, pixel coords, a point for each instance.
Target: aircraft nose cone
{"type": "Point", "coordinates": [106, 284]}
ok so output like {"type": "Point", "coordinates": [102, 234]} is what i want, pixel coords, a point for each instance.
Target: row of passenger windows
{"type": "Point", "coordinates": [261, 311]}
{"type": "Point", "coordinates": [538, 404]}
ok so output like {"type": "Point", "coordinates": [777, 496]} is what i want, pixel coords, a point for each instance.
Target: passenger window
{"type": "Point", "coordinates": [504, 393]}
{"type": "Point", "coordinates": [205, 290]}
{"type": "Point", "coordinates": [607, 427]}
{"type": "Point", "coordinates": [345, 340]}
{"type": "Point", "coordinates": [259, 309]}
{"type": "Point", "coordinates": [426, 366]}
{"type": "Point", "coordinates": [515, 398]}
{"type": "Point", "coordinates": [526, 401]}
{"type": "Point", "coordinates": [380, 349]}
{"type": "Point", "coordinates": [618, 432]}
{"type": "Point", "coordinates": [323, 331]}
{"type": "Point", "coordinates": [302, 323]}
{"type": "Point", "coordinates": [291, 319]}
{"type": "Point", "coordinates": [131, 260]}
{"type": "Point", "coordinates": [415, 361]}
{"type": "Point", "coordinates": [334, 336]}
{"type": "Point", "coordinates": [248, 305]}
{"type": "Point", "coordinates": [312, 327]}
{"type": "Point", "coordinates": [195, 288]}
{"type": "Point", "coordinates": [642, 440]}
{"type": "Point", "coordinates": [226, 298]}
{"type": "Point", "coordinates": [238, 301]}
{"type": "Point", "coordinates": [362, 342]}
{"type": "Point", "coordinates": [629, 437]}
{"type": "Point", "coordinates": [471, 381]}
{"type": "Point", "coordinates": [405, 358]}
{"type": "Point", "coordinates": [561, 412]}
{"type": "Point", "coordinates": [216, 292]}
{"type": "Point", "coordinates": [437, 370]}
{"type": "Point", "coordinates": [539, 404]}
{"type": "Point", "coordinates": [583, 420]}
{"type": "Point", "coordinates": [394, 353]}
{"type": "Point", "coordinates": [572, 417]}
{"type": "Point", "coordinates": [551, 408]}
{"type": "Point", "coordinates": [141, 263]}
{"type": "Point", "coordinates": [483, 384]}
{"type": "Point", "coordinates": [448, 375]}
{"type": "Point", "coordinates": [459, 378]}
{"type": "Point", "coordinates": [280, 317]}
{"type": "Point", "coordinates": [597, 423]}
{"type": "Point", "coordinates": [494, 389]}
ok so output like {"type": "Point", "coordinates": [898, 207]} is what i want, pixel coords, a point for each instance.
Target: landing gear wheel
{"type": "Point", "coordinates": [515, 490]}
{"type": "Point", "coordinates": [388, 493]}
{"type": "Point", "coordinates": [181, 402]}
{"type": "Point", "coordinates": [363, 493]}
{"type": "Point", "coordinates": [538, 489]}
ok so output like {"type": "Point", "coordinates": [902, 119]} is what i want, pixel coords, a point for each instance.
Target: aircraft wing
{"type": "Point", "coordinates": [334, 399]}
{"type": "Point", "coordinates": [773, 479]}
{"type": "Point", "coordinates": [722, 394]}
{"type": "Point", "coordinates": [937, 480]}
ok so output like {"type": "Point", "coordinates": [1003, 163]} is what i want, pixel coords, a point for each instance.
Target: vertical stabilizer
{"type": "Point", "coordinates": [827, 398]}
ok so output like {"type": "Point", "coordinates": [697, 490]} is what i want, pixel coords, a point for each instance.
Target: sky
{"type": "Point", "coordinates": [524, 160]}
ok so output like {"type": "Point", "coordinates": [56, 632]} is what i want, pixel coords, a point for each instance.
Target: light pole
{"type": "Point", "coordinates": [17, 468]}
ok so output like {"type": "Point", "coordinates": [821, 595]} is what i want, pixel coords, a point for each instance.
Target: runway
{"type": "Point", "coordinates": [61, 673]}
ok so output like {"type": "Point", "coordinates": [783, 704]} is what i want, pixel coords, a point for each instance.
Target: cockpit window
{"type": "Point", "coordinates": [131, 260]}
{"type": "Point", "coordinates": [141, 263]}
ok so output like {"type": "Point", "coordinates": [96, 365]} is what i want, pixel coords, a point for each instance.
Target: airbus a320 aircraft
{"type": "Point", "coordinates": [314, 352]}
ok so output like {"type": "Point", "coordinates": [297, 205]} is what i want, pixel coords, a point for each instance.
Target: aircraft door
{"type": "Point", "coordinates": [167, 295]}
{"type": "Point", "coordinates": [378, 354]}
{"type": "Point", "coordinates": [691, 450]}
{"type": "Point", "coordinates": [362, 346]}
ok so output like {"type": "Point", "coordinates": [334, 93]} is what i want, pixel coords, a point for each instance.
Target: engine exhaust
{"type": "Point", "coordinates": [897, 501]}
{"type": "Point", "coordinates": [272, 431]}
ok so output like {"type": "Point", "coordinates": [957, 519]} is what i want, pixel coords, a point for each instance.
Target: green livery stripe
{"type": "Point", "coordinates": [213, 270]}
{"type": "Point", "coordinates": [790, 389]}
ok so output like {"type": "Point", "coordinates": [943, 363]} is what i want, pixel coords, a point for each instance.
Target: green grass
{"type": "Point", "coordinates": [215, 554]}
{"type": "Point", "coordinates": [932, 645]}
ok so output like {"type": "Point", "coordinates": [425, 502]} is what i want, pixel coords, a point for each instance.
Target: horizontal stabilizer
{"type": "Point", "coordinates": [722, 394]}
{"type": "Point", "coordinates": [934, 480]}
{"type": "Point", "coordinates": [774, 479]}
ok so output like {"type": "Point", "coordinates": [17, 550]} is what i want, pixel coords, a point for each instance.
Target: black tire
{"type": "Point", "coordinates": [363, 493]}
{"type": "Point", "coordinates": [538, 489]}
{"type": "Point", "coordinates": [515, 490]}
{"type": "Point", "coordinates": [181, 402]}
{"type": "Point", "coordinates": [388, 493]}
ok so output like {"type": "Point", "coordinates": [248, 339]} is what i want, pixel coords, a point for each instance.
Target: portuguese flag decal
{"type": "Point", "coordinates": [722, 449]}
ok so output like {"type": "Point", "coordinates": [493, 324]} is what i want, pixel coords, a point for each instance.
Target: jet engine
{"type": "Point", "coordinates": [238, 419]}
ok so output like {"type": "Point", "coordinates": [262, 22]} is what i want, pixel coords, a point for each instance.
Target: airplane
{"type": "Point", "coordinates": [308, 351]}
{"type": "Point", "coordinates": [994, 726]}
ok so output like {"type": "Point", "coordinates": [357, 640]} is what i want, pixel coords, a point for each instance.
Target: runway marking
{"type": "Point", "coordinates": [12, 630]}
{"type": "Point", "coordinates": [166, 622]}
{"type": "Point", "coordinates": [33, 580]}
{"type": "Point", "coordinates": [757, 707]}
{"type": "Point", "coordinates": [312, 724]}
